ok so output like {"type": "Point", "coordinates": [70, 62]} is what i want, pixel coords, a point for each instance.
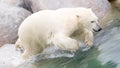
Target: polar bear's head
{"type": "Point", "coordinates": [89, 20]}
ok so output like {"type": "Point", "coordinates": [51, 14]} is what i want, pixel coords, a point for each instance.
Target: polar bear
{"type": "Point", "coordinates": [63, 27]}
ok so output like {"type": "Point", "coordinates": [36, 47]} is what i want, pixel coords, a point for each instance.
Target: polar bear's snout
{"type": "Point", "coordinates": [96, 27]}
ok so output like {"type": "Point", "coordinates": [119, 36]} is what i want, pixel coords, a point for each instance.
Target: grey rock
{"type": "Point", "coordinates": [12, 2]}
{"type": "Point", "coordinates": [100, 7]}
{"type": "Point", "coordinates": [10, 19]}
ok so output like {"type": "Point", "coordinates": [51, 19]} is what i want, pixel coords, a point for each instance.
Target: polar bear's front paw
{"type": "Point", "coordinates": [89, 43]}
{"type": "Point", "coordinates": [72, 46]}
{"type": "Point", "coordinates": [25, 55]}
{"type": "Point", "coordinates": [65, 43]}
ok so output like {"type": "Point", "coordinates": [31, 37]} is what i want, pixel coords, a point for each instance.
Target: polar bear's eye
{"type": "Point", "coordinates": [92, 21]}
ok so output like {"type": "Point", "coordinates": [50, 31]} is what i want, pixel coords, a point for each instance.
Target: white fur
{"type": "Point", "coordinates": [63, 28]}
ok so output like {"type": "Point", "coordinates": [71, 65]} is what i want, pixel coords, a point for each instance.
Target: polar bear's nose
{"type": "Point", "coordinates": [97, 30]}
{"type": "Point", "coordinates": [100, 29]}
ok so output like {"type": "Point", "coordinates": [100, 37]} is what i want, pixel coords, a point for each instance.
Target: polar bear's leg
{"type": "Point", "coordinates": [32, 48]}
{"type": "Point", "coordinates": [65, 42]}
{"type": "Point", "coordinates": [18, 45]}
{"type": "Point", "coordinates": [25, 55]}
{"type": "Point", "coordinates": [27, 50]}
{"type": "Point", "coordinates": [88, 37]}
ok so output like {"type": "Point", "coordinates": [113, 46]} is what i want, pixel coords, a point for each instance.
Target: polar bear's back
{"type": "Point", "coordinates": [39, 25]}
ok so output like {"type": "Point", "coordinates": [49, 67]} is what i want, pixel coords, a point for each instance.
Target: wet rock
{"type": "Point", "coordinates": [100, 7]}
{"type": "Point", "coordinates": [111, 15]}
{"type": "Point", "coordinates": [115, 3]}
{"type": "Point", "coordinates": [10, 19]}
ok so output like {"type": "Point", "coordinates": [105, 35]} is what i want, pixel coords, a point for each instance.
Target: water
{"type": "Point", "coordinates": [104, 54]}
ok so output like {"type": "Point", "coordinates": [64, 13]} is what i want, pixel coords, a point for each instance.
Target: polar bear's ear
{"type": "Point", "coordinates": [77, 16]}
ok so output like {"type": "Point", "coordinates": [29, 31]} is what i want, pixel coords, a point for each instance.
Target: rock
{"type": "Point", "coordinates": [9, 57]}
{"type": "Point", "coordinates": [112, 14]}
{"type": "Point", "coordinates": [100, 7]}
{"type": "Point", "coordinates": [12, 2]}
{"type": "Point", "coordinates": [10, 19]}
{"type": "Point", "coordinates": [115, 3]}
